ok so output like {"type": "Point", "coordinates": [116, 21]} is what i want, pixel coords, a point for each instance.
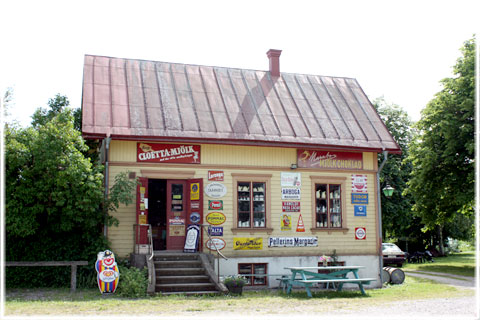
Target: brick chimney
{"type": "Point", "coordinates": [274, 58]}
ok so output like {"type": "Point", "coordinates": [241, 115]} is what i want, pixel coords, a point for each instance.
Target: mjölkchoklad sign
{"type": "Point", "coordinates": [168, 153]}
{"type": "Point", "coordinates": [247, 243]}
{"type": "Point", "coordinates": [329, 159]}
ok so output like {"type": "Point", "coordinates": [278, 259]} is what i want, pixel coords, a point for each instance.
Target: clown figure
{"type": "Point", "coordinates": [107, 272]}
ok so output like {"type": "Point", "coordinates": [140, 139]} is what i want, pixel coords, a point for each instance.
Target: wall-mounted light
{"type": "Point", "coordinates": [388, 191]}
{"type": "Point", "coordinates": [293, 166]}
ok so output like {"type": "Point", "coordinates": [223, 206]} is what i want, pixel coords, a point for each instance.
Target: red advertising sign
{"type": "Point", "coordinates": [172, 153]}
{"type": "Point", "coordinates": [215, 175]}
{"type": "Point", "coordinates": [290, 206]}
{"type": "Point", "coordinates": [329, 159]}
{"type": "Point", "coordinates": [360, 233]}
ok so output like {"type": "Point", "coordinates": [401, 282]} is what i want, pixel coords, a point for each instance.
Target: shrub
{"type": "Point", "coordinates": [133, 282]}
{"type": "Point", "coordinates": [235, 281]}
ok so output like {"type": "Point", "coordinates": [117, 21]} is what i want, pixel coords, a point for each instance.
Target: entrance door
{"type": "Point", "coordinates": [176, 214]}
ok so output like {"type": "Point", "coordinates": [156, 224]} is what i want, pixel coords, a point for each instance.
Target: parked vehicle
{"type": "Point", "coordinates": [392, 254]}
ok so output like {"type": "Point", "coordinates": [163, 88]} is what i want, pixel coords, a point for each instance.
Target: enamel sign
{"type": "Point", "coordinates": [215, 218]}
{"type": "Point", "coordinates": [215, 204]}
{"type": "Point", "coordinates": [359, 198]}
{"type": "Point", "coordinates": [290, 206]}
{"type": "Point", "coordinates": [360, 233]}
{"type": "Point", "coordinates": [215, 190]}
{"type": "Point", "coordinates": [247, 243]}
{"type": "Point", "coordinates": [359, 183]}
{"type": "Point", "coordinates": [290, 193]}
{"type": "Point", "coordinates": [360, 211]}
{"type": "Point", "coordinates": [215, 242]}
{"type": "Point", "coordinates": [291, 179]}
{"type": "Point", "coordinates": [293, 242]}
{"type": "Point", "coordinates": [215, 175]}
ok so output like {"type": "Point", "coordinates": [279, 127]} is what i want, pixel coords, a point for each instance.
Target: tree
{"type": "Point", "coordinates": [54, 194]}
{"type": "Point", "coordinates": [442, 179]}
{"type": "Point", "coordinates": [397, 218]}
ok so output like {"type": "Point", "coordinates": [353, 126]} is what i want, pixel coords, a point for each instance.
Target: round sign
{"type": "Point", "coordinates": [219, 243]}
{"type": "Point", "coordinates": [360, 233]}
{"type": "Point", "coordinates": [216, 218]}
{"type": "Point", "coordinates": [216, 190]}
{"type": "Point", "coordinates": [195, 217]}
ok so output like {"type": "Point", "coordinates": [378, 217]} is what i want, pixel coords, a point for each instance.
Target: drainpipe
{"type": "Point", "coordinates": [385, 156]}
{"type": "Point", "coordinates": [107, 148]}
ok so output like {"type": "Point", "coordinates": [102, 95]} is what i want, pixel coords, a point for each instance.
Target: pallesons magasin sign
{"type": "Point", "coordinates": [329, 159]}
{"type": "Point", "coordinates": [173, 153]}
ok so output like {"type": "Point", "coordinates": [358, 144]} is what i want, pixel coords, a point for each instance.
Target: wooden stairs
{"type": "Point", "coordinates": [185, 274]}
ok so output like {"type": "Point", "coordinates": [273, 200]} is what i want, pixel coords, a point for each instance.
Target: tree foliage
{"type": "Point", "coordinates": [397, 218]}
{"type": "Point", "coordinates": [54, 208]}
{"type": "Point", "coordinates": [442, 179]}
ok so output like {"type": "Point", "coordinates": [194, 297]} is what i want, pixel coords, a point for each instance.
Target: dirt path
{"type": "Point", "coordinates": [454, 280]}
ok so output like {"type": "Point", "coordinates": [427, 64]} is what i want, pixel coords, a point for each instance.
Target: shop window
{"type": "Point", "coordinates": [329, 203]}
{"type": "Point", "coordinates": [250, 270]}
{"type": "Point", "coordinates": [251, 203]}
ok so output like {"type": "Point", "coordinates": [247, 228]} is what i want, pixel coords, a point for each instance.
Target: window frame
{"type": "Point", "coordinates": [342, 181]}
{"type": "Point", "coordinates": [252, 178]}
{"type": "Point", "coordinates": [250, 279]}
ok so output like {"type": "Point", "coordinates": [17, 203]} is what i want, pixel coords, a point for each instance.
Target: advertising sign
{"type": "Point", "coordinates": [329, 159]}
{"type": "Point", "coordinates": [300, 225]}
{"type": "Point", "coordinates": [216, 218]}
{"type": "Point", "coordinates": [359, 183]}
{"type": "Point", "coordinates": [167, 153]}
{"type": "Point", "coordinates": [215, 175]}
{"type": "Point", "coordinates": [215, 204]}
{"type": "Point", "coordinates": [286, 222]}
{"type": "Point", "coordinates": [293, 242]}
{"type": "Point", "coordinates": [290, 206]}
{"type": "Point", "coordinates": [216, 231]}
{"type": "Point", "coordinates": [290, 193]}
{"type": "Point", "coordinates": [360, 233]}
{"type": "Point", "coordinates": [247, 243]}
{"type": "Point", "coordinates": [195, 191]}
{"type": "Point", "coordinates": [291, 179]}
{"type": "Point", "coordinates": [360, 211]}
{"type": "Point", "coordinates": [215, 190]}
{"type": "Point", "coordinates": [176, 227]}
{"type": "Point", "coordinates": [216, 242]}
{"type": "Point", "coordinates": [359, 198]}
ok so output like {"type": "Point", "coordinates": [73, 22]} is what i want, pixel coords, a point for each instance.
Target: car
{"type": "Point", "coordinates": [392, 254]}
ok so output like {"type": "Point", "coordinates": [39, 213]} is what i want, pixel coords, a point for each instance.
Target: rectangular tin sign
{"type": "Point", "coordinates": [293, 242]}
{"type": "Point", "coordinates": [215, 175]}
{"type": "Point", "coordinates": [215, 204]}
{"type": "Point", "coordinates": [216, 231]}
{"type": "Point", "coordinates": [360, 211]}
{"type": "Point", "coordinates": [329, 159]}
{"type": "Point", "coordinates": [359, 198]}
{"type": "Point", "coordinates": [290, 206]}
{"type": "Point", "coordinates": [290, 193]}
{"type": "Point", "coordinates": [168, 153]}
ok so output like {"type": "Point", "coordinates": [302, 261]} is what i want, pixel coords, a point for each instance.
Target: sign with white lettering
{"type": "Point", "coordinates": [360, 211]}
{"type": "Point", "coordinates": [290, 206]}
{"type": "Point", "coordinates": [216, 231]}
{"type": "Point", "coordinates": [293, 242]}
{"type": "Point", "coordinates": [360, 233]}
{"type": "Point", "coordinates": [329, 159]}
{"type": "Point", "coordinates": [215, 175]}
{"type": "Point", "coordinates": [167, 153]}
{"type": "Point", "coordinates": [290, 193]}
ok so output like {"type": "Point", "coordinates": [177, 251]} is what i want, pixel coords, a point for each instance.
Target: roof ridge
{"type": "Point", "coordinates": [229, 68]}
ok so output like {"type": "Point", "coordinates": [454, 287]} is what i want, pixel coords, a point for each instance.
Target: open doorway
{"type": "Point", "coordinates": [157, 212]}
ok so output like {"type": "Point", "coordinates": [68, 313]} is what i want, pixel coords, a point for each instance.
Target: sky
{"type": "Point", "coordinates": [396, 49]}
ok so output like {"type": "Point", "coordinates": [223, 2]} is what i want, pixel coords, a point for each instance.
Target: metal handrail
{"type": "Point", "coordinates": [219, 254]}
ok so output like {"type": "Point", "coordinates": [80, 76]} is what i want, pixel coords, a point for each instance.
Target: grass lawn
{"type": "Point", "coordinates": [462, 264]}
{"type": "Point", "coordinates": [90, 302]}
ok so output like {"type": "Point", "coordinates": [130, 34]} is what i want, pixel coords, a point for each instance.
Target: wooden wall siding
{"type": "Point", "coordinates": [212, 154]}
{"type": "Point", "coordinates": [121, 237]}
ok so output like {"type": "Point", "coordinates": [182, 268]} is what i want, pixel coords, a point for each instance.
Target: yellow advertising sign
{"type": "Point", "coordinates": [247, 243]}
{"type": "Point", "coordinates": [195, 191]}
{"type": "Point", "coordinates": [286, 223]}
{"type": "Point", "coordinates": [142, 219]}
{"type": "Point", "coordinates": [216, 218]}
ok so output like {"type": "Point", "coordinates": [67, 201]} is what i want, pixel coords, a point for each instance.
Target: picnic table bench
{"type": "Point", "coordinates": [306, 277]}
{"type": "Point", "coordinates": [73, 264]}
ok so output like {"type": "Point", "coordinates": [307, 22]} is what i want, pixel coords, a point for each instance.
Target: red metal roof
{"type": "Point", "coordinates": [150, 100]}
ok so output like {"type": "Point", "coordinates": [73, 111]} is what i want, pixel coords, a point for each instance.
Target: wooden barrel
{"type": "Point", "coordinates": [385, 276]}
{"type": "Point", "coordinates": [397, 276]}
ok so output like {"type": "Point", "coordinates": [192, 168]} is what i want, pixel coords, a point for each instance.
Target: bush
{"type": "Point", "coordinates": [133, 282]}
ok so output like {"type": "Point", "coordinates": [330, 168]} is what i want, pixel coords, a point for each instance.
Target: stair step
{"type": "Point", "coordinates": [185, 285]}
{"type": "Point", "coordinates": [181, 263]}
{"type": "Point", "coordinates": [182, 279]}
{"type": "Point", "coordinates": [179, 271]}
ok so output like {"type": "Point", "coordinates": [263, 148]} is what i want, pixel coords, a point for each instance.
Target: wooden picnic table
{"type": "Point", "coordinates": [307, 276]}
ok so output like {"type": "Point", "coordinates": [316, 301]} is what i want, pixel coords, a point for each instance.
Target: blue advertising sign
{"type": "Point", "coordinates": [359, 198]}
{"type": "Point", "coordinates": [216, 231]}
{"type": "Point", "coordinates": [360, 211]}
